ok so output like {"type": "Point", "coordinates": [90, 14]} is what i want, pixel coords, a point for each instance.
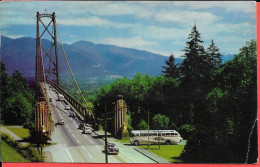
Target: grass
{"type": "Point", "coordinates": [123, 141]}
{"type": "Point", "coordinates": [9, 154]}
{"type": "Point", "coordinates": [21, 132]}
{"type": "Point", "coordinates": [169, 152]}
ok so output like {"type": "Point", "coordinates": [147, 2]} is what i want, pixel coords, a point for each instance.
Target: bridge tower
{"type": "Point", "coordinates": [52, 68]}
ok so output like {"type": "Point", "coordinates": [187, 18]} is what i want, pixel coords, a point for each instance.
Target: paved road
{"type": "Point", "coordinates": [73, 146]}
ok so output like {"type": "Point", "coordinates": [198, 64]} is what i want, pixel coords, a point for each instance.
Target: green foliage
{"type": "Point", "coordinates": [214, 57]}
{"type": "Point", "coordinates": [143, 125]}
{"type": "Point", "coordinates": [160, 122]}
{"type": "Point", "coordinates": [194, 67]}
{"type": "Point", "coordinates": [171, 70]}
{"type": "Point", "coordinates": [17, 100]}
{"type": "Point", "coordinates": [27, 152]}
{"type": "Point", "coordinates": [224, 119]}
{"type": "Point", "coordinates": [8, 154]}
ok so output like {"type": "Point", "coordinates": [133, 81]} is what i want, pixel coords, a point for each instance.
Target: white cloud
{"type": "Point", "coordinates": [237, 6]}
{"type": "Point", "coordinates": [186, 17]}
{"type": "Point", "coordinates": [91, 21]}
{"type": "Point", "coordinates": [133, 42]}
{"type": "Point", "coordinates": [160, 33]}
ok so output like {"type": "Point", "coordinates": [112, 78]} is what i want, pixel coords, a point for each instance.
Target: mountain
{"type": "Point", "coordinates": [86, 58]}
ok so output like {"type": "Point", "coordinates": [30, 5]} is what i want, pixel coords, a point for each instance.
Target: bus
{"type": "Point", "coordinates": [155, 137]}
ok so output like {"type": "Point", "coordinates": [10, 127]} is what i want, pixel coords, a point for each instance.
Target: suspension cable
{"type": "Point", "coordinates": [87, 106]}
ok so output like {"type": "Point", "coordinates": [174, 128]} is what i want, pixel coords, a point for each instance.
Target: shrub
{"type": "Point", "coordinates": [27, 152]}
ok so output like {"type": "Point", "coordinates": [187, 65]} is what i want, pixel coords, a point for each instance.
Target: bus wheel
{"type": "Point", "coordinates": [168, 142]}
{"type": "Point", "coordinates": [136, 143]}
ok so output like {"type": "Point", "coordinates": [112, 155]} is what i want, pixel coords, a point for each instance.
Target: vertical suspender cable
{"type": "Point", "coordinates": [87, 106]}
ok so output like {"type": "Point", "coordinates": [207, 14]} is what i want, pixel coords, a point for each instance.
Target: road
{"type": "Point", "coordinates": [73, 146]}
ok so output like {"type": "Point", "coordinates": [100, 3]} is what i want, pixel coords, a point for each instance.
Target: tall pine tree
{"type": "Point", "coordinates": [194, 67]}
{"type": "Point", "coordinates": [214, 57]}
{"type": "Point", "coordinates": [171, 70]}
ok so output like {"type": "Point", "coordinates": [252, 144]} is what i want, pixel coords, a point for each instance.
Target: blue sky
{"type": "Point", "coordinates": [158, 27]}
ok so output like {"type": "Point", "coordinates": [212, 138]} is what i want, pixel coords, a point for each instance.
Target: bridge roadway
{"type": "Point", "coordinates": [73, 146]}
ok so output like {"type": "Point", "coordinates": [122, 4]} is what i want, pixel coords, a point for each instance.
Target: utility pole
{"type": "Point", "coordinates": [148, 126]}
{"type": "Point", "coordinates": [106, 134]}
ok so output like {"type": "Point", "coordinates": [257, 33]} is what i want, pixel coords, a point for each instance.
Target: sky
{"type": "Point", "coordinates": [157, 27]}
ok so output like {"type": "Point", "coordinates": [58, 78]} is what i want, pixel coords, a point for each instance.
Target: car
{"type": "Point", "coordinates": [50, 99]}
{"type": "Point", "coordinates": [61, 121]}
{"type": "Point", "coordinates": [72, 114]}
{"type": "Point", "coordinates": [81, 125]}
{"type": "Point", "coordinates": [67, 107]}
{"type": "Point", "coordinates": [87, 130]}
{"type": "Point", "coordinates": [61, 97]}
{"type": "Point", "coordinates": [112, 149]}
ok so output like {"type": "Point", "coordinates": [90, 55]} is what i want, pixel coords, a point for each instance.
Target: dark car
{"type": "Point", "coordinates": [72, 114]}
{"type": "Point", "coordinates": [112, 149]}
{"type": "Point", "coordinates": [81, 125]}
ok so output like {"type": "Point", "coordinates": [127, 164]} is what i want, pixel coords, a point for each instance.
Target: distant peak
{"type": "Point", "coordinates": [83, 43]}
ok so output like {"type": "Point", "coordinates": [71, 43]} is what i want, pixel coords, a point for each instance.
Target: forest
{"type": "Point", "coordinates": [16, 98]}
{"type": "Point", "coordinates": [212, 105]}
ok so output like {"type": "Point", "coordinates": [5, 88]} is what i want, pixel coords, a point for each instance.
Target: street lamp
{"type": "Point", "coordinates": [148, 126]}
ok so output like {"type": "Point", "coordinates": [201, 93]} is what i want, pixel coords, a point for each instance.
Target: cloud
{"type": "Point", "coordinates": [133, 42]}
{"type": "Point", "coordinates": [160, 33]}
{"type": "Point", "coordinates": [186, 17]}
{"type": "Point", "coordinates": [237, 6]}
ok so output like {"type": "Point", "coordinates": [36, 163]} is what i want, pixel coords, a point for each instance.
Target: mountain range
{"type": "Point", "coordinates": [86, 59]}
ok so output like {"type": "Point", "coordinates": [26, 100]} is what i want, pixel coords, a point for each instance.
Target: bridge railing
{"type": "Point", "coordinates": [81, 110]}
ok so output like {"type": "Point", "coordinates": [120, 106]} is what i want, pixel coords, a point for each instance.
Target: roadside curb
{"type": "Point", "coordinates": [146, 155]}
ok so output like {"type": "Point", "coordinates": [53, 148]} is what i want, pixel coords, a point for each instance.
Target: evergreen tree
{"type": "Point", "coordinates": [171, 70]}
{"type": "Point", "coordinates": [214, 57]}
{"type": "Point", "coordinates": [194, 66]}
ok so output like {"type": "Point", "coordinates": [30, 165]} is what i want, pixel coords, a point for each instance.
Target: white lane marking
{"type": "Point", "coordinates": [90, 156]}
{"type": "Point", "coordinates": [87, 151]}
{"type": "Point", "coordinates": [66, 126]}
{"type": "Point", "coordinates": [73, 135]}
{"type": "Point", "coordinates": [70, 131]}
{"type": "Point", "coordinates": [77, 141]}
{"type": "Point", "coordinates": [74, 122]}
{"type": "Point", "coordinates": [69, 155]}
{"type": "Point", "coordinates": [91, 141]}
{"type": "Point", "coordinates": [83, 147]}
{"type": "Point", "coordinates": [52, 157]}
{"type": "Point", "coordinates": [97, 146]}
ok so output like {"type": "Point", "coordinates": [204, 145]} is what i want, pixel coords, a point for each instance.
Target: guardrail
{"type": "Point", "coordinates": [81, 110]}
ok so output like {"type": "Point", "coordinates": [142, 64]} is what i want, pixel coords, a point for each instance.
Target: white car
{"type": "Point", "coordinates": [87, 130]}
{"type": "Point", "coordinates": [61, 121]}
{"type": "Point", "coordinates": [67, 107]}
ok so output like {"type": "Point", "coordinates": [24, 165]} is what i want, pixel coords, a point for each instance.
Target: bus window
{"type": "Point", "coordinates": [132, 135]}
{"type": "Point", "coordinates": [168, 134]}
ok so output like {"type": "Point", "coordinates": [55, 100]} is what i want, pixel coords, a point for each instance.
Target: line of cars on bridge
{"type": "Point", "coordinates": [137, 136]}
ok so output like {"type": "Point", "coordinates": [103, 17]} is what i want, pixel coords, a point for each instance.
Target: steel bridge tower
{"type": "Point", "coordinates": [53, 66]}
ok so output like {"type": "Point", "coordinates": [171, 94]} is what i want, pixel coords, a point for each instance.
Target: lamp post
{"type": "Point", "coordinates": [148, 126]}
